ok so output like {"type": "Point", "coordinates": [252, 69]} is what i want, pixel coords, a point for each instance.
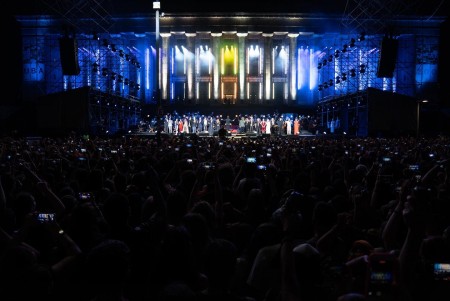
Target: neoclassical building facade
{"type": "Point", "coordinates": [293, 59]}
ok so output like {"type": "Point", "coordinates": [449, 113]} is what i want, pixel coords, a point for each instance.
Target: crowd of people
{"type": "Point", "coordinates": [196, 123]}
{"type": "Point", "coordinates": [185, 217]}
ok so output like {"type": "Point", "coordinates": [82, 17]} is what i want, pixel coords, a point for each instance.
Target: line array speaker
{"type": "Point", "coordinates": [388, 57]}
{"type": "Point", "coordinates": [68, 51]}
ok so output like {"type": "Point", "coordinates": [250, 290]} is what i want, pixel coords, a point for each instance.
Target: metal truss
{"type": "Point", "coordinates": [109, 114]}
{"type": "Point", "coordinates": [365, 23]}
{"type": "Point", "coordinates": [373, 16]}
{"type": "Point", "coordinates": [82, 15]}
{"type": "Point", "coordinates": [108, 64]}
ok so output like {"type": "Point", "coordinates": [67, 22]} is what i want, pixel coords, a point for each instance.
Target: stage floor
{"type": "Point", "coordinates": [303, 133]}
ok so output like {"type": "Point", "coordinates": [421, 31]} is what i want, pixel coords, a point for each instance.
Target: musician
{"type": "Point", "coordinates": [280, 123]}
{"type": "Point", "coordinates": [263, 126]}
{"type": "Point", "coordinates": [288, 126]}
{"type": "Point", "coordinates": [296, 126]}
{"type": "Point", "coordinates": [228, 123]}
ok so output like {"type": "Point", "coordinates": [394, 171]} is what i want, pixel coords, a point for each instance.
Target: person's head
{"type": "Point", "coordinates": [177, 291]}
{"type": "Point", "coordinates": [24, 204]}
{"type": "Point", "coordinates": [21, 275]}
{"type": "Point", "coordinates": [116, 209]}
{"type": "Point", "coordinates": [207, 211]}
{"type": "Point", "coordinates": [108, 264]}
{"type": "Point", "coordinates": [226, 174]}
{"type": "Point", "coordinates": [351, 297]}
{"type": "Point", "coordinates": [220, 262]}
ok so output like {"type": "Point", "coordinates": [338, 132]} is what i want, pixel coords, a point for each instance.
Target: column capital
{"type": "Point", "coordinates": [293, 35]}
{"type": "Point", "coordinates": [165, 35]}
{"type": "Point", "coordinates": [267, 35]}
{"type": "Point", "coordinates": [216, 34]}
{"type": "Point", "coordinates": [190, 34]}
{"type": "Point", "coordinates": [242, 34]}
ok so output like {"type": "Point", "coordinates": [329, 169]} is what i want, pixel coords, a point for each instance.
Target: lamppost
{"type": "Point", "coordinates": [418, 115]}
{"type": "Point", "coordinates": [156, 7]}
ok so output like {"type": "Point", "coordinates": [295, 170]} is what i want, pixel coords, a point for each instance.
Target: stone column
{"type": "Point", "coordinates": [267, 69]}
{"type": "Point", "coordinates": [165, 79]}
{"type": "Point", "coordinates": [292, 76]}
{"type": "Point", "coordinates": [216, 67]}
{"type": "Point", "coordinates": [190, 68]}
{"type": "Point", "coordinates": [242, 62]}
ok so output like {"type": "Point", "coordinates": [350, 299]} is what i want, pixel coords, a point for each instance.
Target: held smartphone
{"type": "Point", "coordinates": [414, 167]}
{"type": "Point", "coordinates": [208, 165]}
{"type": "Point", "coordinates": [251, 159]}
{"type": "Point", "coordinates": [45, 217]}
{"type": "Point", "coordinates": [386, 160]}
{"type": "Point", "coordinates": [85, 196]}
{"type": "Point", "coordinates": [381, 276]}
{"type": "Point", "coordinates": [441, 272]}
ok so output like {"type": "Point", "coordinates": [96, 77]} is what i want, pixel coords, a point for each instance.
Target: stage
{"type": "Point", "coordinates": [252, 135]}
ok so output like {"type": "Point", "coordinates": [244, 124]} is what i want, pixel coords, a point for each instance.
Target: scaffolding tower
{"type": "Point", "coordinates": [347, 73]}
{"type": "Point", "coordinates": [108, 62]}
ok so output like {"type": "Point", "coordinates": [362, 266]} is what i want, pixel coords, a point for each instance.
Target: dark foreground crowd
{"type": "Point", "coordinates": [203, 218]}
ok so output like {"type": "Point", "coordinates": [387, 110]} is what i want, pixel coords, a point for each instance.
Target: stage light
{"type": "Point", "coordinates": [121, 53]}
{"type": "Point", "coordinates": [95, 67]}
{"type": "Point", "coordinates": [324, 63]}
{"type": "Point", "coordinates": [338, 79]}
{"type": "Point", "coordinates": [113, 76]}
{"type": "Point", "coordinates": [330, 58]}
{"type": "Point", "coordinates": [362, 36]}
{"type": "Point", "coordinates": [336, 53]}
{"type": "Point", "coordinates": [319, 66]}
{"type": "Point", "coordinates": [105, 71]}
{"type": "Point", "coordinates": [127, 57]}
{"type": "Point", "coordinates": [113, 48]}
{"type": "Point", "coordinates": [96, 37]}
{"type": "Point", "coordinates": [344, 49]}
{"type": "Point", "coordinates": [352, 73]}
{"type": "Point", "coordinates": [362, 68]}
{"type": "Point", "coordinates": [330, 82]}
{"type": "Point", "coordinates": [344, 76]}
{"type": "Point", "coordinates": [352, 43]}
{"type": "Point", "coordinates": [127, 81]}
{"type": "Point", "coordinates": [105, 43]}
{"type": "Point", "coordinates": [320, 88]}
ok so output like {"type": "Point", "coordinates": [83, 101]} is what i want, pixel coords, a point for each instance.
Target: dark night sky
{"type": "Point", "coordinates": [419, 7]}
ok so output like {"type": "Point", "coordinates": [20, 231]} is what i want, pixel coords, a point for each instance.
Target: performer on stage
{"type": "Point", "coordinates": [288, 126]}
{"type": "Point", "coordinates": [296, 126]}
{"type": "Point", "coordinates": [180, 126]}
{"type": "Point", "coordinates": [169, 125]}
{"type": "Point", "coordinates": [228, 123]}
{"type": "Point", "coordinates": [263, 126]}
{"type": "Point", "coordinates": [280, 125]}
{"type": "Point", "coordinates": [268, 126]}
